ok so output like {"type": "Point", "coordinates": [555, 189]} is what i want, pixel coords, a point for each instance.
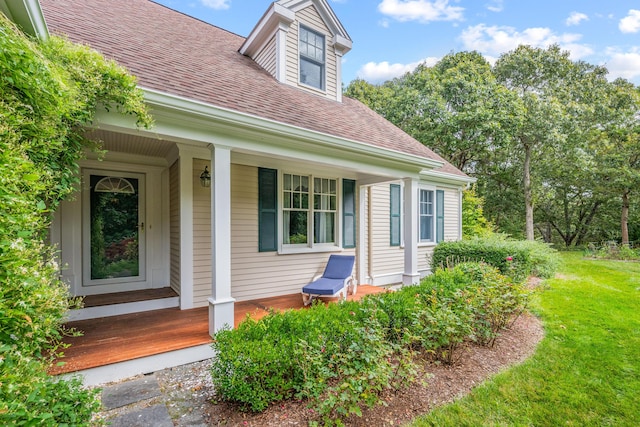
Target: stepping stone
{"type": "Point", "coordinates": [156, 416]}
{"type": "Point", "coordinates": [129, 392]}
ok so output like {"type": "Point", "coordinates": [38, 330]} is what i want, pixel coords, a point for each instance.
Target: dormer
{"type": "Point", "coordinates": [301, 43]}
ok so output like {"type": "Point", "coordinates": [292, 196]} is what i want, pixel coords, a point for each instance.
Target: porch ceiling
{"type": "Point", "coordinates": [131, 144]}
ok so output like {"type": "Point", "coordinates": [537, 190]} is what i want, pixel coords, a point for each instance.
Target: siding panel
{"type": "Point", "coordinates": [266, 58]}
{"type": "Point", "coordinates": [174, 226]}
{"type": "Point", "coordinates": [201, 237]}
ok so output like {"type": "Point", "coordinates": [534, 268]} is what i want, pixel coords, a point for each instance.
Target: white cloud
{"type": "Point", "coordinates": [216, 4]}
{"type": "Point", "coordinates": [495, 40]}
{"type": "Point", "coordinates": [624, 64]}
{"type": "Point", "coordinates": [420, 10]}
{"type": "Point", "coordinates": [376, 72]}
{"type": "Point", "coordinates": [575, 18]}
{"type": "Point", "coordinates": [631, 22]}
{"type": "Point", "coordinates": [496, 6]}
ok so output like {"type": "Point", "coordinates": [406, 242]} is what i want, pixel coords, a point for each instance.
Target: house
{"type": "Point", "coordinates": [257, 168]}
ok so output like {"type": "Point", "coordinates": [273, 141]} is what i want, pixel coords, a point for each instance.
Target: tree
{"type": "Point", "coordinates": [617, 145]}
{"type": "Point", "coordinates": [558, 107]}
{"type": "Point", "coordinates": [49, 90]}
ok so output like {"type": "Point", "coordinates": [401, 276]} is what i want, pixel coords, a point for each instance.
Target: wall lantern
{"type": "Point", "coordinates": [205, 178]}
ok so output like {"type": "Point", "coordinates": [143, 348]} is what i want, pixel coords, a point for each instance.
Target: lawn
{"type": "Point", "coordinates": [585, 372]}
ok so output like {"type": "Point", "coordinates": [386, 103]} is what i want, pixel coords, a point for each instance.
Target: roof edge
{"type": "Point", "coordinates": [224, 115]}
{"type": "Point", "coordinates": [447, 178]}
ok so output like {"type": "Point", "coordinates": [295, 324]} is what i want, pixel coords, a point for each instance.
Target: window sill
{"type": "Point", "coordinates": [315, 249]}
{"type": "Point", "coordinates": [426, 244]}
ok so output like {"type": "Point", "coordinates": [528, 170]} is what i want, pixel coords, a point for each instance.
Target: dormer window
{"type": "Point", "coordinates": [312, 58]}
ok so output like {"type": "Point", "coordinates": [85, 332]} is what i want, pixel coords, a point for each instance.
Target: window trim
{"type": "Point", "coordinates": [310, 246]}
{"type": "Point", "coordinates": [323, 64]}
{"type": "Point", "coordinates": [433, 241]}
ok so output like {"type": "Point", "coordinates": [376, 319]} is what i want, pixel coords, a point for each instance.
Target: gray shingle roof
{"type": "Point", "coordinates": [177, 54]}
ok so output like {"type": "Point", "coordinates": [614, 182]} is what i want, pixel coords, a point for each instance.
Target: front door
{"type": "Point", "coordinates": [114, 230]}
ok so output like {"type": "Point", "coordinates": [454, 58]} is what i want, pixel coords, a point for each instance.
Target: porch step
{"type": "Point", "coordinates": [114, 304]}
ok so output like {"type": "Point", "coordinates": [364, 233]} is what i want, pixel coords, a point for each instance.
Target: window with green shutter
{"type": "Point", "coordinates": [348, 213]}
{"type": "Point", "coordinates": [267, 210]}
{"type": "Point", "coordinates": [395, 214]}
{"type": "Point", "coordinates": [439, 215]}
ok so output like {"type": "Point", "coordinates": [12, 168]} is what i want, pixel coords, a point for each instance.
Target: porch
{"type": "Point", "coordinates": [117, 347]}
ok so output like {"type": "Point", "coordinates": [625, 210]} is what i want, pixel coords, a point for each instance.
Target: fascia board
{"type": "Point", "coordinates": [208, 113]}
{"type": "Point", "coordinates": [28, 15]}
{"type": "Point", "coordinates": [446, 178]}
{"type": "Point", "coordinates": [266, 27]}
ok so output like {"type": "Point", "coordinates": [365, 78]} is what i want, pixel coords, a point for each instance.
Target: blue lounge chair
{"type": "Point", "coordinates": [336, 280]}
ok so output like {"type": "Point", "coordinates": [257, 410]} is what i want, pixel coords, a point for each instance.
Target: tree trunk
{"type": "Point", "coordinates": [624, 220]}
{"type": "Point", "coordinates": [528, 197]}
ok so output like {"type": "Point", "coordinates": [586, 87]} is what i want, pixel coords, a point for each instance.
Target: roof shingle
{"type": "Point", "coordinates": [177, 54]}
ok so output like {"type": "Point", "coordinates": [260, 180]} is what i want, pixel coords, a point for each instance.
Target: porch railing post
{"type": "Point", "coordinates": [411, 274]}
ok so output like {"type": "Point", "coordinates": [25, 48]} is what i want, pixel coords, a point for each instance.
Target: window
{"type": "Point", "coordinates": [311, 58]}
{"type": "Point", "coordinates": [426, 216]}
{"type": "Point", "coordinates": [310, 211]}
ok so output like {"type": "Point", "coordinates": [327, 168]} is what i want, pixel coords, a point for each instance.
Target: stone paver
{"type": "Point", "coordinates": [154, 416]}
{"type": "Point", "coordinates": [129, 392]}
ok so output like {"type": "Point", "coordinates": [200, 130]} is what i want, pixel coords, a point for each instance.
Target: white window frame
{"type": "Point", "coordinates": [310, 246]}
{"type": "Point", "coordinates": [432, 241]}
{"type": "Point", "coordinates": [323, 64]}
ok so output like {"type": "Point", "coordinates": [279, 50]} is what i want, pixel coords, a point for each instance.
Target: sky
{"type": "Point", "coordinates": [391, 37]}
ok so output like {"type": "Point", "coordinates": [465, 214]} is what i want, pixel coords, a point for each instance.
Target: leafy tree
{"type": "Point", "coordinates": [617, 146]}
{"type": "Point", "coordinates": [49, 90]}
{"type": "Point", "coordinates": [474, 223]}
{"type": "Point", "coordinates": [559, 97]}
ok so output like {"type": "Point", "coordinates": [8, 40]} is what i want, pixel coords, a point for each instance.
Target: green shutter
{"type": "Point", "coordinates": [395, 211]}
{"type": "Point", "coordinates": [439, 215]}
{"type": "Point", "coordinates": [267, 210]}
{"type": "Point", "coordinates": [348, 213]}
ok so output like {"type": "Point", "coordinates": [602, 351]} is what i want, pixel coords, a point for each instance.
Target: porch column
{"type": "Point", "coordinates": [221, 304]}
{"type": "Point", "coordinates": [411, 275]}
{"type": "Point", "coordinates": [361, 247]}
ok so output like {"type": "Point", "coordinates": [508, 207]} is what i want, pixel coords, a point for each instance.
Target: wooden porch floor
{"type": "Point", "coordinates": [126, 337]}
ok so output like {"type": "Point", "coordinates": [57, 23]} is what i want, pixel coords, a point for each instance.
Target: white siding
{"type": "Point", "coordinates": [201, 237]}
{"type": "Point", "coordinates": [310, 17]}
{"type": "Point", "coordinates": [266, 58]}
{"type": "Point", "coordinates": [262, 274]}
{"type": "Point", "coordinates": [174, 225]}
{"type": "Point", "coordinates": [451, 214]}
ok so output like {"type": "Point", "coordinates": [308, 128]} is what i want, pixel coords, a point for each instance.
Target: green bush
{"type": "Point", "coordinates": [48, 91]}
{"type": "Point", "coordinates": [514, 258]}
{"type": "Point", "coordinates": [341, 357]}
{"type": "Point", "coordinates": [334, 356]}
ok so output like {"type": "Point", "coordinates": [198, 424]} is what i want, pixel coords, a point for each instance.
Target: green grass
{"type": "Point", "coordinates": [585, 372]}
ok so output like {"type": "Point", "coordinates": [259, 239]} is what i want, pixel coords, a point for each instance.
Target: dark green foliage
{"type": "Point", "coordinates": [48, 90]}
{"type": "Point", "coordinates": [341, 357]}
{"type": "Point", "coordinates": [514, 258]}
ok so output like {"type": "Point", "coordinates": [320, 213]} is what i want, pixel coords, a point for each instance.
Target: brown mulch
{"type": "Point", "coordinates": [437, 384]}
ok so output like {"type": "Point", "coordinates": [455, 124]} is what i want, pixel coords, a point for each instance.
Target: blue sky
{"type": "Point", "coordinates": [390, 37]}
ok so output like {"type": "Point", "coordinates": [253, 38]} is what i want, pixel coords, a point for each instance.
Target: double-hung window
{"type": "Point", "coordinates": [312, 58]}
{"type": "Point", "coordinates": [309, 213]}
{"type": "Point", "coordinates": [309, 210]}
{"type": "Point", "coordinates": [426, 220]}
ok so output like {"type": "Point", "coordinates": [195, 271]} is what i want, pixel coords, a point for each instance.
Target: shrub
{"type": "Point", "coordinates": [612, 250]}
{"type": "Point", "coordinates": [516, 259]}
{"type": "Point", "coordinates": [48, 91]}
{"type": "Point", "coordinates": [341, 357]}
{"type": "Point", "coordinates": [335, 356]}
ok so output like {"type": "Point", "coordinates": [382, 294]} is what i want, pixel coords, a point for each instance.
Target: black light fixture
{"type": "Point", "coordinates": [205, 178]}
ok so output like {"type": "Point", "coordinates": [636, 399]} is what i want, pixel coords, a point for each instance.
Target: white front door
{"type": "Point", "coordinates": [113, 212]}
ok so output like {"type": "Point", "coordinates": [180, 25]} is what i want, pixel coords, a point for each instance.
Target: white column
{"type": "Point", "coordinates": [186, 228]}
{"type": "Point", "coordinates": [361, 247]}
{"type": "Point", "coordinates": [221, 304]}
{"type": "Point", "coordinates": [411, 275]}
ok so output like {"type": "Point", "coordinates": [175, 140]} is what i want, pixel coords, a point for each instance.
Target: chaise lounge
{"type": "Point", "coordinates": [336, 281]}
